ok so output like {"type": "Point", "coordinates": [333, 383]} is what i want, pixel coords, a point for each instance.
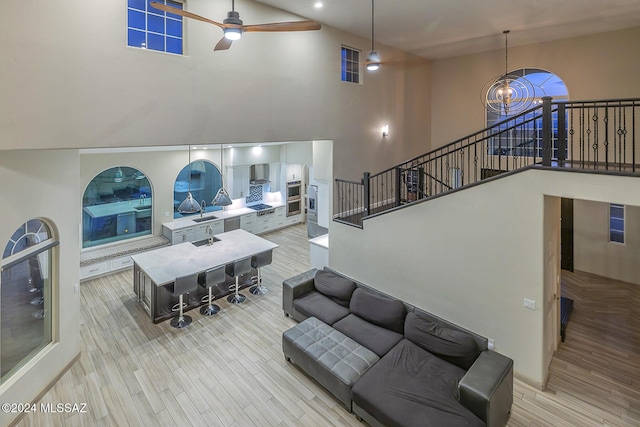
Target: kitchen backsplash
{"type": "Point", "coordinates": [255, 194]}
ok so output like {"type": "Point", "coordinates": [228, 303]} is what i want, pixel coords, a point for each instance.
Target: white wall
{"type": "Point", "coordinates": [592, 250]}
{"type": "Point", "coordinates": [45, 184]}
{"type": "Point", "coordinates": [598, 66]}
{"type": "Point", "coordinates": [471, 257]}
{"type": "Point", "coordinates": [69, 80]}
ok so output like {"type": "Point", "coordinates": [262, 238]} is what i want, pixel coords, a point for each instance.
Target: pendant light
{"type": "Point", "coordinates": [234, 31]}
{"type": "Point", "coordinates": [222, 197]}
{"type": "Point", "coordinates": [509, 94]}
{"type": "Point", "coordinates": [118, 176]}
{"type": "Point", "coordinates": [373, 59]}
{"type": "Point", "coordinates": [189, 205]}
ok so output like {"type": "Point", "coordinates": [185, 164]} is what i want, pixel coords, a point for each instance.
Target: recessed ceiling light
{"type": "Point", "coordinates": [318, 4]}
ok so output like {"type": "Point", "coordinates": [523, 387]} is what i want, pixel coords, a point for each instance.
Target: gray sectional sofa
{"type": "Point", "coordinates": [389, 362]}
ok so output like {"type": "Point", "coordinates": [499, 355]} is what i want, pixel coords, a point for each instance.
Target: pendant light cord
{"type": "Point", "coordinates": [506, 52]}
{"type": "Point", "coordinates": [372, 1]}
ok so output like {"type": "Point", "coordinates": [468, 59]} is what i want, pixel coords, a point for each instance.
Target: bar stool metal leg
{"type": "Point", "coordinates": [259, 288]}
{"type": "Point", "coordinates": [211, 308]}
{"type": "Point", "coordinates": [236, 298]}
{"type": "Point", "coordinates": [182, 321]}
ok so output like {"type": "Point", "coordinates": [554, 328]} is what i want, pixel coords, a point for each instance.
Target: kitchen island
{"type": "Point", "coordinates": [154, 270]}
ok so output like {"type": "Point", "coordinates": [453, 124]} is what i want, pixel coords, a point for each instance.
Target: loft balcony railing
{"type": "Point", "coordinates": [598, 136]}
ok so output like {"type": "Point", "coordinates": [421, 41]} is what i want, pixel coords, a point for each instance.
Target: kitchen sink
{"type": "Point", "coordinates": [142, 208]}
{"type": "Point", "coordinates": [207, 218]}
{"type": "Point", "coordinates": [205, 242]}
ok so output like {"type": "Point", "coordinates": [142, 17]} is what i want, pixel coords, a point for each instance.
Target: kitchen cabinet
{"type": "Point", "coordinates": [294, 172]}
{"type": "Point", "coordinates": [248, 222]}
{"type": "Point", "coordinates": [95, 269]}
{"type": "Point", "coordinates": [275, 177]}
{"type": "Point", "coordinates": [182, 235]}
{"type": "Point", "coordinates": [238, 181]}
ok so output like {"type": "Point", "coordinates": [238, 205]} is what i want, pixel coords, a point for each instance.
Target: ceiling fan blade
{"type": "Point", "coordinates": [184, 13]}
{"type": "Point", "coordinates": [284, 26]}
{"type": "Point", "coordinates": [223, 44]}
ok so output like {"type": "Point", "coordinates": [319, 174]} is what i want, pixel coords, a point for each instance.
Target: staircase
{"type": "Point", "coordinates": [585, 136]}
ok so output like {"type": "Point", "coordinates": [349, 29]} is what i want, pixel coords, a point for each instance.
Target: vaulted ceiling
{"type": "Point", "coordinates": [444, 28]}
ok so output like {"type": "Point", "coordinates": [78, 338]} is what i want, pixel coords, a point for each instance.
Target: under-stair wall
{"type": "Point", "coordinates": [472, 256]}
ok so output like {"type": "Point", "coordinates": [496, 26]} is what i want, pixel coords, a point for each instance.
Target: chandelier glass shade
{"type": "Point", "coordinates": [509, 94]}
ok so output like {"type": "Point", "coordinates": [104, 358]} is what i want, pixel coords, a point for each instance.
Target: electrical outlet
{"type": "Point", "coordinates": [530, 304]}
{"type": "Point", "coordinates": [76, 288]}
{"type": "Point", "coordinates": [166, 214]}
{"type": "Point", "coordinates": [490, 344]}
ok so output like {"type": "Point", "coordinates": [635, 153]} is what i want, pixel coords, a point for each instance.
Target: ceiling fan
{"type": "Point", "coordinates": [233, 27]}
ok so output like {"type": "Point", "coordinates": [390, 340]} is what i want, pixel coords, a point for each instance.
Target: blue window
{"type": "Point", "coordinates": [202, 179]}
{"type": "Point", "coordinates": [350, 65]}
{"type": "Point", "coordinates": [616, 223]}
{"type": "Point", "coordinates": [151, 28]}
{"type": "Point", "coordinates": [26, 315]}
{"type": "Point", "coordinates": [117, 205]}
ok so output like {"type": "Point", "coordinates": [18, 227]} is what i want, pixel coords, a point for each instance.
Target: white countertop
{"type": "Point", "coordinates": [165, 264]}
{"type": "Point", "coordinates": [108, 209]}
{"type": "Point", "coordinates": [322, 241]}
{"type": "Point", "coordinates": [219, 215]}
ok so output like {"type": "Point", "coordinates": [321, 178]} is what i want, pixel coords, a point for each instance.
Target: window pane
{"type": "Point", "coordinates": [25, 313]}
{"type": "Point", "coordinates": [204, 184]}
{"type": "Point", "coordinates": [116, 205]}
{"type": "Point", "coordinates": [136, 38]}
{"type": "Point", "coordinates": [174, 28]}
{"type": "Point", "coordinates": [616, 236]}
{"type": "Point", "coordinates": [174, 45]}
{"type": "Point", "coordinates": [155, 42]}
{"type": "Point", "coordinates": [155, 24]}
{"type": "Point", "coordinates": [136, 20]}
{"type": "Point", "coordinates": [136, 4]}
{"type": "Point", "coordinates": [146, 18]}
{"type": "Point", "coordinates": [176, 5]}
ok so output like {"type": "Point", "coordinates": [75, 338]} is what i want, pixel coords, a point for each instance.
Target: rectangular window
{"type": "Point", "coordinates": [151, 28]}
{"type": "Point", "coordinates": [616, 223]}
{"type": "Point", "coordinates": [350, 65]}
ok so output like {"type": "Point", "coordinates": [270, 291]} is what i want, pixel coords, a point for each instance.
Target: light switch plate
{"type": "Point", "coordinates": [530, 304]}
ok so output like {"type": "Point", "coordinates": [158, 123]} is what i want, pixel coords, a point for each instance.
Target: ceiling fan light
{"type": "Point", "coordinates": [373, 61]}
{"type": "Point", "coordinates": [232, 33]}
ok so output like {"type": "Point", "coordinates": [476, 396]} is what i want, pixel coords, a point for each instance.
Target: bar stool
{"type": "Point", "coordinates": [258, 261]}
{"type": "Point", "coordinates": [239, 267]}
{"type": "Point", "coordinates": [181, 286]}
{"type": "Point", "coordinates": [212, 277]}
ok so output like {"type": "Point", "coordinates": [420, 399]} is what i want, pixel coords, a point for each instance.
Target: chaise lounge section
{"type": "Point", "coordinates": [389, 362]}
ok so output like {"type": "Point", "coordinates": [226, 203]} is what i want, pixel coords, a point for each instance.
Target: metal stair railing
{"type": "Point", "coordinates": [586, 135]}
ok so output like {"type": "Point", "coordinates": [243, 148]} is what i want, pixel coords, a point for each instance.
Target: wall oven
{"type": "Point", "coordinates": [294, 190]}
{"type": "Point", "coordinates": [294, 198]}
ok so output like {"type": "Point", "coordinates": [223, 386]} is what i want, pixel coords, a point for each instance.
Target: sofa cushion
{"type": "Point", "coordinates": [375, 338]}
{"type": "Point", "coordinates": [336, 287]}
{"type": "Point", "coordinates": [411, 387]}
{"type": "Point", "coordinates": [452, 345]}
{"type": "Point", "coordinates": [383, 311]}
{"type": "Point", "coordinates": [314, 304]}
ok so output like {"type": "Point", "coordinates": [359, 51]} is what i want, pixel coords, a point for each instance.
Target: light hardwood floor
{"type": "Point", "coordinates": [228, 370]}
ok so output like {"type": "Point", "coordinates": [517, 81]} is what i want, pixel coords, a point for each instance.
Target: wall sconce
{"type": "Point", "coordinates": [385, 131]}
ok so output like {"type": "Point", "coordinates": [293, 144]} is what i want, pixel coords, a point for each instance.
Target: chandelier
{"type": "Point", "coordinates": [510, 93]}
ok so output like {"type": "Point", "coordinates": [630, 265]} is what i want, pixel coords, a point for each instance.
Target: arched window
{"type": "Point", "coordinates": [204, 183]}
{"type": "Point", "coordinates": [538, 83]}
{"type": "Point", "coordinates": [117, 205]}
{"type": "Point", "coordinates": [25, 295]}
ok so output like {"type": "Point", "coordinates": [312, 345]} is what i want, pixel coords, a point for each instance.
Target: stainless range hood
{"type": "Point", "coordinates": [259, 174]}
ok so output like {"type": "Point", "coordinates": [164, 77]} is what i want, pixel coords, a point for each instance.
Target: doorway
{"type": "Point", "coordinates": [566, 234]}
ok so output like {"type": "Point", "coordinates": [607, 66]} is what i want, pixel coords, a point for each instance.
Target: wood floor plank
{"type": "Point", "coordinates": [229, 370]}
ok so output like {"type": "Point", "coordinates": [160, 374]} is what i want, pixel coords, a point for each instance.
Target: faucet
{"type": "Point", "coordinates": [209, 231]}
{"type": "Point", "coordinates": [203, 205]}
{"type": "Point", "coordinates": [142, 198]}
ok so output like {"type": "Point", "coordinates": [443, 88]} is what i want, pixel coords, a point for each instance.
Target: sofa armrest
{"type": "Point", "coordinates": [487, 388]}
{"type": "Point", "coordinates": [296, 286]}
